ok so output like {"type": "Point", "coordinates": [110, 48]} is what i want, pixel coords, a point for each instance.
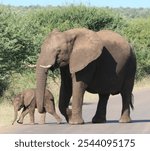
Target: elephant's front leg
{"type": "Point", "coordinates": [15, 115]}
{"type": "Point", "coordinates": [65, 91]}
{"type": "Point", "coordinates": [42, 118]}
{"type": "Point", "coordinates": [77, 101]}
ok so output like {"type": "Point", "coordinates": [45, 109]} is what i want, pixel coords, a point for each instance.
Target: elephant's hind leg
{"type": "Point", "coordinates": [125, 115]}
{"type": "Point", "coordinates": [23, 114]}
{"type": "Point", "coordinates": [127, 100]}
{"type": "Point", "coordinates": [58, 119]}
{"type": "Point", "coordinates": [100, 115]}
{"type": "Point", "coordinates": [31, 113]}
{"type": "Point", "coordinates": [127, 91]}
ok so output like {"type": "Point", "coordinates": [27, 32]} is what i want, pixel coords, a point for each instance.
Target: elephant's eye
{"type": "Point", "coordinates": [58, 50]}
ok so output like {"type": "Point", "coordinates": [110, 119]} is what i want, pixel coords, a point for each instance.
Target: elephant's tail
{"type": "Point", "coordinates": [132, 101]}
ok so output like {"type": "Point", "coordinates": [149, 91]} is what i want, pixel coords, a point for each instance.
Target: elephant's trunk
{"type": "Point", "coordinates": [41, 77]}
{"type": "Point", "coordinates": [15, 115]}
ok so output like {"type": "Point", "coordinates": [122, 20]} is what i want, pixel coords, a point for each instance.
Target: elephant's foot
{"type": "Point", "coordinates": [125, 119]}
{"type": "Point", "coordinates": [69, 113]}
{"type": "Point", "coordinates": [76, 119]}
{"type": "Point", "coordinates": [57, 117]}
{"type": "Point", "coordinates": [19, 122]}
{"type": "Point", "coordinates": [42, 118]}
{"type": "Point", "coordinates": [41, 122]}
{"type": "Point", "coordinates": [59, 121]}
{"type": "Point", "coordinates": [98, 120]}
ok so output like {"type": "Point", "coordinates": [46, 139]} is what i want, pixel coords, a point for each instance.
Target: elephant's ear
{"type": "Point", "coordinates": [86, 48]}
{"type": "Point", "coordinates": [28, 95]}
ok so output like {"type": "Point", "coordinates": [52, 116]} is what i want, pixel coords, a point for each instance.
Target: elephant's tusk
{"type": "Point", "coordinates": [48, 66]}
{"type": "Point", "coordinates": [31, 66]}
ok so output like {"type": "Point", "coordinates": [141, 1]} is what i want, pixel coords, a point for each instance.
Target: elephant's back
{"type": "Point", "coordinates": [117, 46]}
{"type": "Point", "coordinates": [111, 36]}
{"type": "Point", "coordinates": [114, 42]}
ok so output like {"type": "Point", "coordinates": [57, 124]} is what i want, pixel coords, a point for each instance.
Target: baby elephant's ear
{"type": "Point", "coordinates": [86, 49]}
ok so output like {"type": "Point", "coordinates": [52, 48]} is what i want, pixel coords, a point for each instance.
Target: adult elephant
{"type": "Point", "coordinates": [99, 62]}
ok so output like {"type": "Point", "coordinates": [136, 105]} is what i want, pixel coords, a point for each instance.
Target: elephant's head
{"type": "Point", "coordinates": [76, 47]}
{"type": "Point", "coordinates": [18, 102]}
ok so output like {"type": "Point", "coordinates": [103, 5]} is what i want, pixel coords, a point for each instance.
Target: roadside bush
{"type": "Point", "coordinates": [138, 34]}
{"type": "Point", "coordinates": [22, 31]}
{"type": "Point", "coordinates": [15, 46]}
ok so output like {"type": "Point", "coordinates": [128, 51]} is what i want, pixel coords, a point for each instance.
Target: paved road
{"type": "Point", "coordinates": [140, 119]}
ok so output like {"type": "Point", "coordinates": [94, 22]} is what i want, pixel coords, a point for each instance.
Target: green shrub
{"type": "Point", "coordinates": [22, 31]}
{"type": "Point", "coordinates": [138, 34]}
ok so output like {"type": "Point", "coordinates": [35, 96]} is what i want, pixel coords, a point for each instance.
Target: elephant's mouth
{"type": "Point", "coordinates": [61, 61]}
{"type": "Point", "coordinates": [53, 67]}
{"type": "Point", "coordinates": [58, 63]}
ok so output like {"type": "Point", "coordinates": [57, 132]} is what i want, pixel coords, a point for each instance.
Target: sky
{"type": "Point", "coordinates": [98, 3]}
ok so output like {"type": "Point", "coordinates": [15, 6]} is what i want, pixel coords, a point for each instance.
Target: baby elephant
{"type": "Point", "coordinates": [27, 101]}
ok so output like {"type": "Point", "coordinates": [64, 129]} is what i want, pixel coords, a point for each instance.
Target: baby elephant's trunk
{"type": "Point", "coordinates": [15, 115]}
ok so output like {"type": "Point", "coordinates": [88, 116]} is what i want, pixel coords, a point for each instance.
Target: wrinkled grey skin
{"type": "Point", "coordinates": [27, 101]}
{"type": "Point", "coordinates": [98, 62]}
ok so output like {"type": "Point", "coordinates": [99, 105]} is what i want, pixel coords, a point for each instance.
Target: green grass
{"type": "Point", "coordinates": [6, 113]}
{"type": "Point", "coordinates": [145, 82]}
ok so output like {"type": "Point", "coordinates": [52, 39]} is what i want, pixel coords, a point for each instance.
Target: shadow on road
{"type": "Point", "coordinates": [116, 121]}
{"type": "Point", "coordinates": [133, 121]}
{"type": "Point", "coordinates": [140, 121]}
{"type": "Point", "coordinates": [87, 123]}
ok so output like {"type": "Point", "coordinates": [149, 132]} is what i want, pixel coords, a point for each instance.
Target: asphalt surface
{"type": "Point", "coordinates": [140, 119]}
